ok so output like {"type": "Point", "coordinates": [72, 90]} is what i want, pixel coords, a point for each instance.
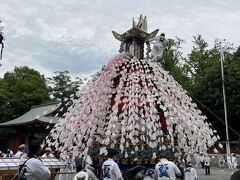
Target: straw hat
{"type": "Point", "coordinates": [81, 176]}
{"type": "Point", "coordinates": [48, 149]}
{"type": "Point", "coordinates": [21, 146]}
{"type": "Point", "coordinates": [70, 153]}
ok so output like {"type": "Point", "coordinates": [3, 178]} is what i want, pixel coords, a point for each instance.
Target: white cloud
{"type": "Point", "coordinates": [76, 35]}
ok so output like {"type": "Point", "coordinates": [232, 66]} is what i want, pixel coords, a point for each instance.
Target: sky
{"type": "Point", "coordinates": [75, 35]}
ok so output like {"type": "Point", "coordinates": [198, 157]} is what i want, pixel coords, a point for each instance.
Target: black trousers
{"type": "Point", "coordinates": [207, 170]}
{"type": "Point", "coordinates": [202, 163]}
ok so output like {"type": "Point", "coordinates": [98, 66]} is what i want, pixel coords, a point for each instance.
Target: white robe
{"type": "Point", "coordinates": [157, 50]}
{"type": "Point", "coordinates": [70, 167]}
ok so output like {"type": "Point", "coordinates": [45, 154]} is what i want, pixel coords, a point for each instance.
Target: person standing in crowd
{"type": "Point", "coordinates": [81, 176]}
{"type": "Point", "coordinates": [70, 161]}
{"type": "Point", "coordinates": [201, 159]}
{"type": "Point", "coordinates": [8, 154]}
{"type": "Point", "coordinates": [110, 169]}
{"type": "Point", "coordinates": [166, 169]}
{"type": "Point", "coordinates": [63, 159]}
{"type": "Point", "coordinates": [91, 173]}
{"type": "Point", "coordinates": [234, 162]}
{"type": "Point", "coordinates": [87, 173]}
{"type": "Point", "coordinates": [1, 154]}
{"type": "Point", "coordinates": [221, 162]}
{"type": "Point", "coordinates": [150, 174]}
{"type": "Point", "coordinates": [207, 164]}
{"type": "Point", "coordinates": [186, 159]}
{"type": "Point", "coordinates": [196, 157]}
{"type": "Point", "coordinates": [229, 162]}
{"type": "Point", "coordinates": [70, 166]}
{"type": "Point", "coordinates": [33, 168]}
{"type": "Point", "coordinates": [20, 151]}
{"type": "Point", "coordinates": [190, 173]}
{"type": "Point", "coordinates": [48, 153]}
{"type": "Point", "coordinates": [79, 161]}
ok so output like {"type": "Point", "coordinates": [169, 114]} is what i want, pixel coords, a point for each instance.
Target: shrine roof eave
{"type": "Point", "coordinates": [134, 33]}
{"type": "Point", "coordinates": [44, 121]}
{"type": "Point", "coordinates": [38, 114]}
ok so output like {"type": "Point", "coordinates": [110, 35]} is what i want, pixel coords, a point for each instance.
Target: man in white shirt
{"type": "Point", "coordinates": [221, 162]}
{"type": "Point", "coordinates": [190, 173]}
{"type": "Point", "coordinates": [234, 162]}
{"type": "Point", "coordinates": [20, 152]}
{"type": "Point", "coordinates": [207, 164]}
{"type": "Point", "coordinates": [197, 160]}
{"type": "Point", "coordinates": [201, 159]}
{"type": "Point", "coordinates": [166, 170]}
{"type": "Point", "coordinates": [9, 153]}
{"type": "Point", "coordinates": [48, 153]}
{"type": "Point", "coordinates": [32, 168]}
{"type": "Point", "coordinates": [229, 162]}
{"type": "Point", "coordinates": [110, 168]}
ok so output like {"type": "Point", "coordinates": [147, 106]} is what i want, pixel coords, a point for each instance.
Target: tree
{"type": "Point", "coordinates": [19, 90]}
{"type": "Point", "coordinates": [206, 87]}
{"type": "Point", "coordinates": [200, 75]}
{"type": "Point", "coordinates": [206, 83]}
{"type": "Point", "coordinates": [62, 86]}
{"type": "Point", "coordinates": [232, 83]}
{"type": "Point", "coordinates": [63, 89]}
{"type": "Point", "coordinates": [236, 55]}
{"type": "Point", "coordinates": [173, 61]}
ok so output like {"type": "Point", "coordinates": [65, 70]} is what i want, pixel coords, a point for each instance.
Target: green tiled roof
{"type": "Point", "coordinates": [38, 114]}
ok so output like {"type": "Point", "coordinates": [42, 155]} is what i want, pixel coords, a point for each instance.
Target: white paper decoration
{"type": "Point", "coordinates": [120, 106]}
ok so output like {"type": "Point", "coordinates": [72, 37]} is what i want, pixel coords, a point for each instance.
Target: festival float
{"type": "Point", "coordinates": [134, 106]}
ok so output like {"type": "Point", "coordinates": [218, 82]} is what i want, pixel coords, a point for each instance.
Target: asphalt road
{"type": "Point", "coordinates": [215, 174]}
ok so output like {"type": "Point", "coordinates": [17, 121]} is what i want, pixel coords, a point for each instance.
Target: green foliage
{"type": "Point", "coordinates": [200, 75]}
{"type": "Point", "coordinates": [206, 82]}
{"type": "Point", "coordinates": [62, 86]}
{"type": "Point", "coordinates": [236, 55]}
{"type": "Point", "coordinates": [19, 90]}
{"type": "Point", "coordinates": [173, 61]}
{"type": "Point", "coordinates": [232, 84]}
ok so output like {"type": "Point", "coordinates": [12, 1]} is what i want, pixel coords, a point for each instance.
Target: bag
{"type": "Point", "coordinates": [22, 170]}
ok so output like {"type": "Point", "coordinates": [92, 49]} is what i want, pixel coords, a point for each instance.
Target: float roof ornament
{"type": "Point", "coordinates": [133, 40]}
{"type": "Point", "coordinates": [138, 30]}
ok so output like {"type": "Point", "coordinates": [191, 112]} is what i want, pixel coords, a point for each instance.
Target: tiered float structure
{"type": "Point", "coordinates": [135, 106]}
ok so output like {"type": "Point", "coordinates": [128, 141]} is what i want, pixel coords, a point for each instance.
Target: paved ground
{"type": "Point", "coordinates": [215, 174]}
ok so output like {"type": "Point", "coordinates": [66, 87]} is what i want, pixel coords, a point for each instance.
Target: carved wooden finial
{"type": "Point", "coordinates": [133, 40]}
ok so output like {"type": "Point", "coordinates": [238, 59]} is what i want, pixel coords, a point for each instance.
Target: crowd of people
{"type": "Point", "coordinates": [204, 161]}
{"type": "Point", "coordinates": [232, 162]}
{"type": "Point", "coordinates": [78, 165]}
{"type": "Point", "coordinates": [229, 161]}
